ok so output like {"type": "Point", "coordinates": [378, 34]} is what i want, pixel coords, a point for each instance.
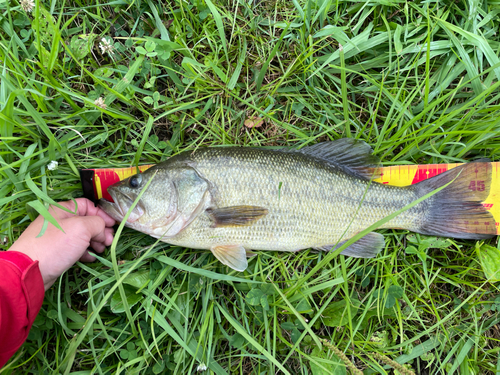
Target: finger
{"type": "Point", "coordinates": [97, 246]}
{"type": "Point", "coordinates": [108, 232]}
{"type": "Point", "coordinates": [87, 257]}
{"type": "Point", "coordinates": [107, 219]}
{"type": "Point", "coordinates": [91, 227]}
{"type": "Point", "coordinates": [85, 207]}
{"type": "Point", "coordinates": [100, 246]}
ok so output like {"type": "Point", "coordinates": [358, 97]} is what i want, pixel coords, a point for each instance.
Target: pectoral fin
{"type": "Point", "coordinates": [366, 247]}
{"type": "Point", "coordinates": [236, 216]}
{"type": "Point", "coordinates": [234, 256]}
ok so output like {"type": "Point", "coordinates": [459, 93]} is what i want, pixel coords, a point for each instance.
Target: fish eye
{"type": "Point", "coordinates": [135, 181]}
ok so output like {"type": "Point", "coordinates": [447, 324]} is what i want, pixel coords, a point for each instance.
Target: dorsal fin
{"type": "Point", "coordinates": [351, 155]}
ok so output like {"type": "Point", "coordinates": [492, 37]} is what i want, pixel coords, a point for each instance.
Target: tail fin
{"type": "Point", "coordinates": [456, 211]}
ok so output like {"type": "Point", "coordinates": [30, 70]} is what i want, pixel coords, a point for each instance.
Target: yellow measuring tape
{"type": "Point", "coordinates": [399, 175]}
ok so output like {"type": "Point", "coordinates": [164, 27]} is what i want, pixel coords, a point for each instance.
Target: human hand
{"type": "Point", "coordinates": [57, 251]}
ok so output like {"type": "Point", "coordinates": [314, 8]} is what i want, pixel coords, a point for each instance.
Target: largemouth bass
{"type": "Point", "coordinates": [233, 200]}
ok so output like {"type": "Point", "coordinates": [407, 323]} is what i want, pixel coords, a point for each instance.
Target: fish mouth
{"type": "Point", "coordinates": [119, 209]}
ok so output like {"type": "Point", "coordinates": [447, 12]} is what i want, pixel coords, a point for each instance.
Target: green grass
{"type": "Point", "coordinates": [417, 81]}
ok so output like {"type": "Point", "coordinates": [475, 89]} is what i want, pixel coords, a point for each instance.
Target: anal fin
{"type": "Point", "coordinates": [366, 247]}
{"type": "Point", "coordinates": [234, 256]}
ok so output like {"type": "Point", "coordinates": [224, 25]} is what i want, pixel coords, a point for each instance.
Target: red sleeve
{"type": "Point", "coordinates": [21, 297]}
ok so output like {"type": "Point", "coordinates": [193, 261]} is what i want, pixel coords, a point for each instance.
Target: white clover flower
{"type": "Point", "coordinates": [52, 166]}
{"type": "Point", "coordinates": [201, 367]}
{"type": "Point", "coordinates": [100, 103]}
{"type": "Point", "coordinates": [27, 5]}
{"type": "Point", "coordinates": [106, 45]}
